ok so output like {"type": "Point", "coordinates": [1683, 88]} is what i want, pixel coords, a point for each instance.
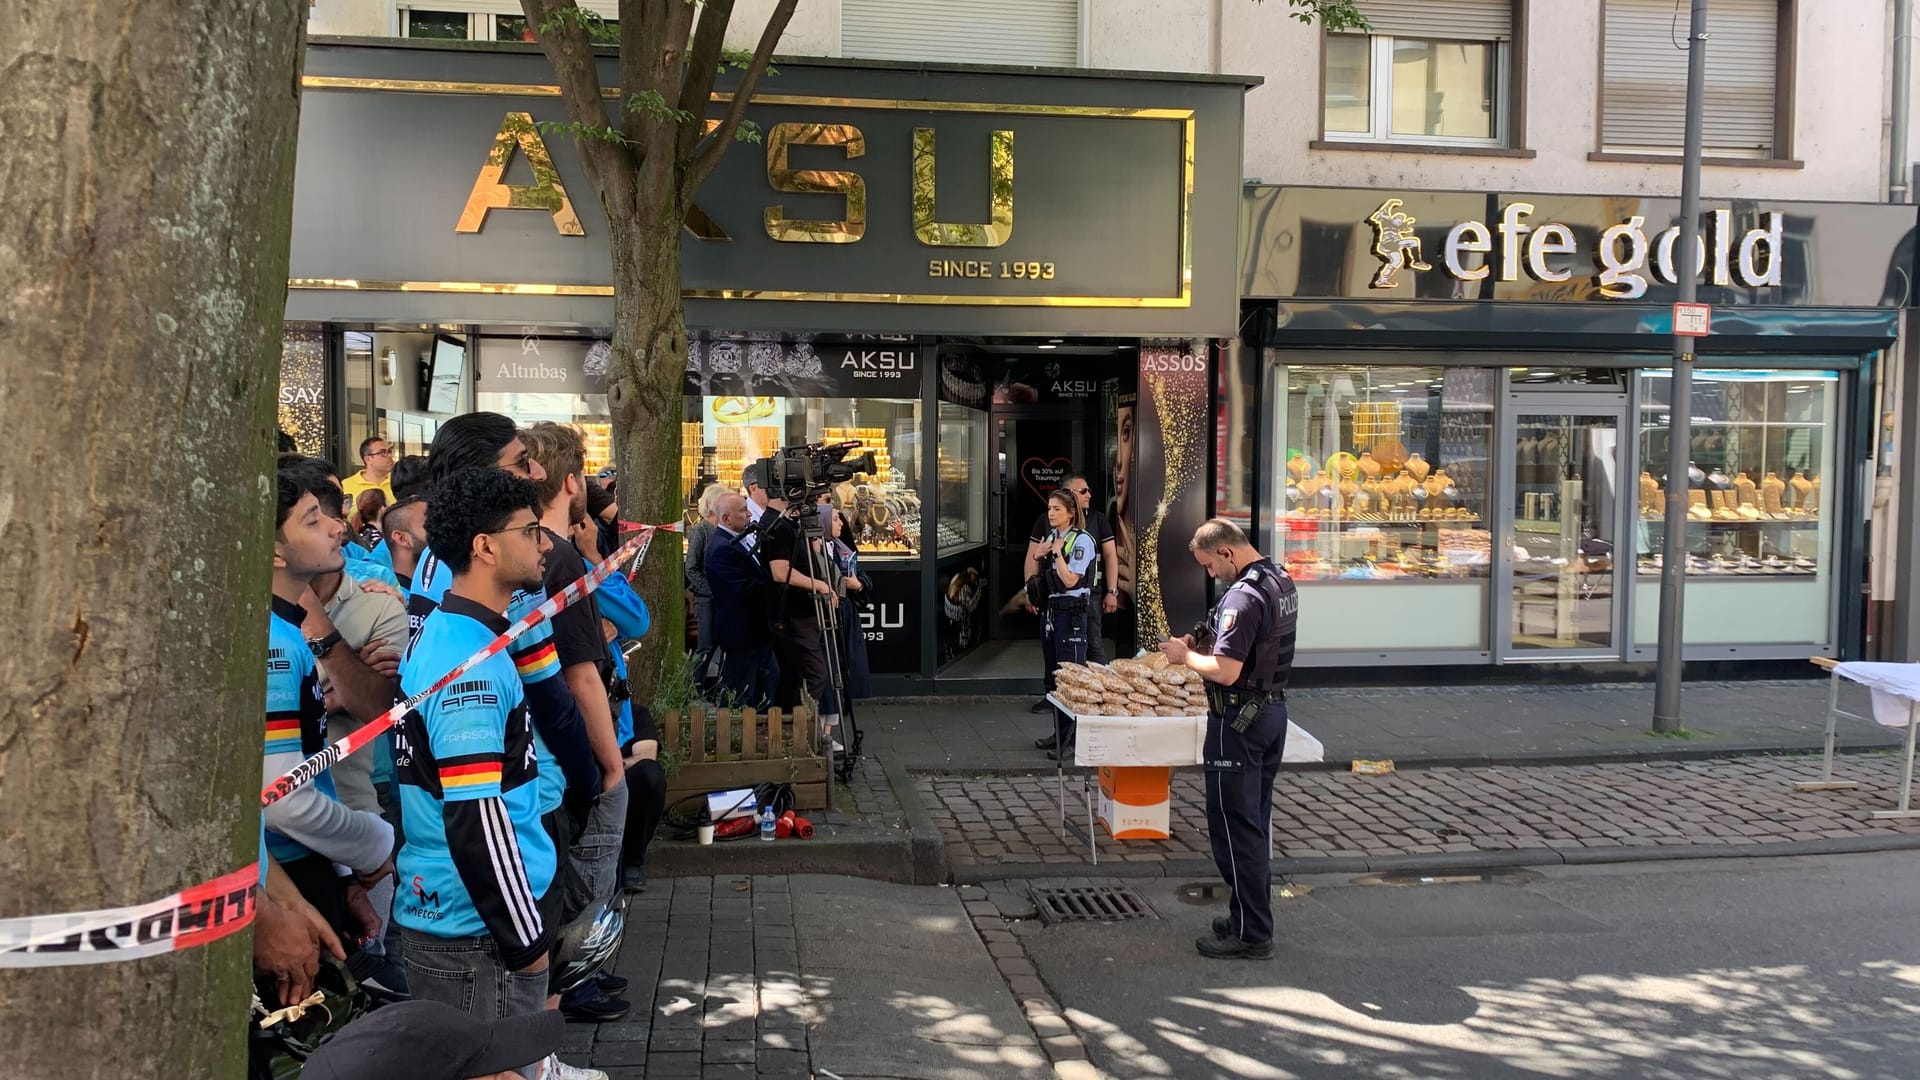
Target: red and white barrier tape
{"type": "Point", "coordinates": [305, 772]}
{"type": "Point", "coordinates": [211, 911]}
{"type": "Point", "coordinates": [190, 917]}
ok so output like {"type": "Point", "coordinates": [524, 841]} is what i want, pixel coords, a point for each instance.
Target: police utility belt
{"type": "Point", "coordinates": [1067, 605]}
{"type": "Point", "coordinates": [1240, 707]}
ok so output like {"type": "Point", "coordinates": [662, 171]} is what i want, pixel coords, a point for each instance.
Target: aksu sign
{"type": "Point", "coordinates": [1625, 260]}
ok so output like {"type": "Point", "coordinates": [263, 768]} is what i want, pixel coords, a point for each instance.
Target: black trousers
{"type": "Point", "coordinates": [1096, 642]}
{"type": "Point", "coordinates": [1063, 640]}
{"type": "Point", "coordinates": [1241, 768]}
{"type": "Point", "coordinates": [801, 647]}
{"type": "Point", "coordinates": [646, 805]}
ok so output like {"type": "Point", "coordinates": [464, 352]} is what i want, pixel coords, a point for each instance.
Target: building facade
{"type": "Point", "coordinates": [1450, 288]}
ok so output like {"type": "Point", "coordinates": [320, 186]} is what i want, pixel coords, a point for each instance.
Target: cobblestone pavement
{"type": "Point", "coordinates": [713, 975]}
{"type": "Point", "coordinates": [1730, 802]}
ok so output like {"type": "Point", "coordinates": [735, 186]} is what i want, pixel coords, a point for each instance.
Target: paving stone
{"type": "Point", "coordinates": [620, 1053]}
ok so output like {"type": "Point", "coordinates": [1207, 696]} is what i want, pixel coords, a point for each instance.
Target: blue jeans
{"type": "Point", "coordinates": [467, 973]}
{"type": "Point", "coordinates": [596, 854]}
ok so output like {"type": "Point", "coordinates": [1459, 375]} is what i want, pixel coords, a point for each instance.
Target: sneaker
{"type": "Point", "coordinates": [610, 985]}
{"type": "Point", "coordinates": [555, 1069]}
{"type": "Point", "coordinates": [589, 1006]}
{"type": "Point", "coordinates": [1225, 948]}
{"type": "Point", "coordinates": [837, 748]}
{"type": "Point", "coordinates": [1043, 705]}
{"type": "Point", "coordinates": [633, 878]}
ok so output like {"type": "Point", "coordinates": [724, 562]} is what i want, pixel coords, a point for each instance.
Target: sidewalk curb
{"type": "Point", "coordinates": [1686, 752]}
{"type": "Point", "coordinates": [926, 850]}
{"type": "Point", "coordinates": [1443, 862]}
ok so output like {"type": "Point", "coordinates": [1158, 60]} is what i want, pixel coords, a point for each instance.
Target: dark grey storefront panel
{"type": "Point", "coordinates": [384, 174]}
{"type": "Point", "coordinates": [1312, 243]}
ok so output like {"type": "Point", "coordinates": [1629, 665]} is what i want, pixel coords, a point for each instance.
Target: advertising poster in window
{"type": "Point", "coordinates": [1166, 493]}
{"type": "Point", "coordinates": [776, 366]}
{"type": "Point", "coordinates": [963, 618]}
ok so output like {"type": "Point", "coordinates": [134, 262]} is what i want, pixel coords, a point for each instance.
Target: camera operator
{"type": "Point", "coordinates": [799, 642]}
{"type": "Point", "coordinates": [1063, 578]}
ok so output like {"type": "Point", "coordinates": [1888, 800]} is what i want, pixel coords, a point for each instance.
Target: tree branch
{"type": "Point", "coordinates": [703, 65]}
{"type": "Point", "coordinates": [708, 158]}
{"type": "Point", "coordinates": [563, 38]}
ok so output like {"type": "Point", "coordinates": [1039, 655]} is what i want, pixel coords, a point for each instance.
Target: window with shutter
{"type": "Point", "coordinates": [494, 20]}
{"type": "Point", "coordinates": [1644, 92]}
{"type": "Point", "coordinates": [1039, 32]}
{"type": "Point", "coordinates": [1431, 72]}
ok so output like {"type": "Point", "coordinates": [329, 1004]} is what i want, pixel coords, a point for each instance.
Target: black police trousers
{"type": "Point", "coordinates": [1241, 768]}
{"type": "Point", "coordinates": [1063, 640]}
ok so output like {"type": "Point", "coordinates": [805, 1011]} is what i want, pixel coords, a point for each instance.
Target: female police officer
{"type": "Point", "coordinates": [1063, 573]}
{"type": "Point", "coordinates": [1245, 654]}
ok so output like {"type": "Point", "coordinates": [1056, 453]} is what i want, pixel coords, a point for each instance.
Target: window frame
{"type": "Point", "coordinates": [1509, 62]}
{"type": "Point", "coordinates": [481, 15]}
{"type": "Point", "coordinates": [1786, 41]}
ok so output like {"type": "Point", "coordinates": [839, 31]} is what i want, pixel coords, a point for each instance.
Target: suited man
{"type": "Point", "coordinates": [742, 631]}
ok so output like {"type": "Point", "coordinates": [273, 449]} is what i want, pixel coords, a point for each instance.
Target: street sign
{"type": "Point", "coordinates": [1692, 320]}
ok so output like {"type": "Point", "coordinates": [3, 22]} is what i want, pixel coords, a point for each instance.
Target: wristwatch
{"type": "Point", "coordinates": [323, 646]}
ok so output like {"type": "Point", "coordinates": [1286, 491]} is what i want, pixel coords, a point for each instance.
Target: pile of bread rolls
{"type": "Point", "coordinates": [1147, 686]}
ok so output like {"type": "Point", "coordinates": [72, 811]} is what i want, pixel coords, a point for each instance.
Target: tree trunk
{"type": "Point", "coordinates": [648, 405]}
{"type": "Point", "coordinates": [143, 264]}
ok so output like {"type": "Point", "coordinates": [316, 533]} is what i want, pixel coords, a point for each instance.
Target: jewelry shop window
{"type": "Point", "coordinates": [1760, 520]}
{"type": "Point", "coordinates": [1381, 512]}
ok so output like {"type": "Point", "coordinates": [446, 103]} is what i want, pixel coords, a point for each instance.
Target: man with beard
{"type": "Point", "coordinates": [1245, 653]}
{"type": "Point", "coordinates": [477, 911]}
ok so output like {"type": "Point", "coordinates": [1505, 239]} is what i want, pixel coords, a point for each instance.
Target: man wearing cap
{"type": "Point", "coordinates": [427, 1040]}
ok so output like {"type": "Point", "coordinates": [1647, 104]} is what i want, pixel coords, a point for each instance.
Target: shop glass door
{"type": "Point", "coordinates": [1035, 450]}
{"type": "Point", "coordinates": [1561, 582]}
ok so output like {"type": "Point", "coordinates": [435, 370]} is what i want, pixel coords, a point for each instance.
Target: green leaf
{"type": "Point", "coordinates": [650, 103]}
{"type": "Point", "coordinates": [580, 131]}
{"type": "Point", "coordinates": [748, 131]}
{"type": "Point", "coordinates": [1332, 14]}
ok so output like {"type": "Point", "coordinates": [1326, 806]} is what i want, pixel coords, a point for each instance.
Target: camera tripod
{"type": "Point", "coordinates": [826, 612]}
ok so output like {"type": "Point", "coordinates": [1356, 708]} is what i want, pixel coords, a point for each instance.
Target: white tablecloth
{"type": "Point", "coordinates": [1896, 687]}
{"type": "Point", "coordinates": [1164, 740]}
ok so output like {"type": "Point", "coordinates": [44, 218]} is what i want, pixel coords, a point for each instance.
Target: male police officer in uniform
{"type": "Point", "coordinates": [1244, 653]}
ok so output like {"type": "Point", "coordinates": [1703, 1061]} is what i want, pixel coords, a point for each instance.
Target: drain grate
{"type": "Point", "coordinates": [1089, 903]}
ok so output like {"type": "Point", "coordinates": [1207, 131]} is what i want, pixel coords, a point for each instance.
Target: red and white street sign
{"type": "Point", "coordinates": [1692, 320]}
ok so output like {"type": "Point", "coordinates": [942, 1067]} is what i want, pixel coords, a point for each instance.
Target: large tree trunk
{"type": "Point", "coordinates": [143, 264]}
{"type": "Point", "coordinates": [648, 406]}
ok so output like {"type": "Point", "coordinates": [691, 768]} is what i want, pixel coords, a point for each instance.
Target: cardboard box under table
{"type": "Point", "coordinates": [1135, 756]}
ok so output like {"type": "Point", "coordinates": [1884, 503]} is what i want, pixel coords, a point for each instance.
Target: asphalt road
{"type": "Point", "coordinates": [1749, 969]}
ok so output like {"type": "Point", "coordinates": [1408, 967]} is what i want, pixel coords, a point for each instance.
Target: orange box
{"type": "Point", "coordinates": [1135, 801]}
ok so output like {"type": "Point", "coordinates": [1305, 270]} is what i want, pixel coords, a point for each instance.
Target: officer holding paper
{"type": "Point", "coordinates": [1244, 652]}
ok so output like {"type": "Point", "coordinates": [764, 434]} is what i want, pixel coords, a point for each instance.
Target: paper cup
{"type": "Point", "coordinates": [706, 835]}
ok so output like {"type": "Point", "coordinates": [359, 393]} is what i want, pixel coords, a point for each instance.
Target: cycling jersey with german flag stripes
{"type": "Point", "coordinates": [556, 717]}
{"type": "Point", "coordinates": [476, 858]}
{"type": "Point", "coordinates": [296, 720]}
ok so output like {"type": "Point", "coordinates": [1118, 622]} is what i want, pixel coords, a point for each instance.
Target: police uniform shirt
{"type": "Point", "coordinates": [1262, 607]}
{"type": "Point", "coordinates": [1077, 557]}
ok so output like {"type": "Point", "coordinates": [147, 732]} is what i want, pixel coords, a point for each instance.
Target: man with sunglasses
{"type": "Point", "coordinates": [1106, 593]}
{"type": "Point", "coordinates": [376, 470]}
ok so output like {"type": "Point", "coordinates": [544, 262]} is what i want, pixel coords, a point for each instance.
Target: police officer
{"type": "Point", "coordinates": [1244, 653]}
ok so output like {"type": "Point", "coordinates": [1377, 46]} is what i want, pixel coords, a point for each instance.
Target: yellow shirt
{"type": "Point", "coordinates": [357, 483]}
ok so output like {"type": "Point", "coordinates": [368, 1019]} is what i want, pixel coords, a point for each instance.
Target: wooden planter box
{"type": "Point", "coordinates": [736, 748]}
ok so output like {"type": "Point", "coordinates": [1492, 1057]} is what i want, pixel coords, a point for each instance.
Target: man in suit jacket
{"type": "Point", "coordinates": [742, 632]}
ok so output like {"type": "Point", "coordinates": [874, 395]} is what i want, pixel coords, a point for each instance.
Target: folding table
{"type": "Point", "coordinates": [1896, 703]}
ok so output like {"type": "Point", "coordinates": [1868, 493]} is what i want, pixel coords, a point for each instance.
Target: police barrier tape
{"type": "Point", "coordinates": [304, 773]}
{"type": "Point", "coordinates": [225, 905]}
{"type": "Point", "coordinates": [188, 918]}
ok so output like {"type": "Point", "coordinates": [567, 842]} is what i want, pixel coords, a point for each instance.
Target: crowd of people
{"type": "Point", "coordinates": [474, 856]}
{"type": "Point", "coordinates": [777, 593]}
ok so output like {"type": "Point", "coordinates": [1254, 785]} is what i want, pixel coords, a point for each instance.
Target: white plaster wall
{"type": "Point", "coordinates": [1150, 35]}
{"type": "Point", "coordinates": [360, 18]}
{"type": "Point", "coordinates": [814, 29]}
{"type": "Point", "coordinates": [1838, 125]}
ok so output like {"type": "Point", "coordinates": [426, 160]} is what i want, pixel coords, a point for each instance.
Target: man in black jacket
{"type": "Point", "coordinates": [742, 631]}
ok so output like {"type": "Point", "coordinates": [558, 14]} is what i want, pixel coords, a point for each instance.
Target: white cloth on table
{"type": "Point", "coordinates": [1895, 687]}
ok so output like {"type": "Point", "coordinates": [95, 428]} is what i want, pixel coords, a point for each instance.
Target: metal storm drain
{"type": "Point", "coordinates": [1089, 903]}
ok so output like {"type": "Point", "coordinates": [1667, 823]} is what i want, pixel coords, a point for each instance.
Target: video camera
{"type": "Point", "coordinates": [801, 474]}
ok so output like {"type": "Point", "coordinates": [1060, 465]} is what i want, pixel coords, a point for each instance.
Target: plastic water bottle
{"type": "Point", "coordinates": [766, 823]}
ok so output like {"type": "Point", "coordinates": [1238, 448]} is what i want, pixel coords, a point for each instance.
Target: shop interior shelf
{"type": "Point", "coordinates": [1797, 523]}
{"type": "Point", "coordinates": [1440, 523]}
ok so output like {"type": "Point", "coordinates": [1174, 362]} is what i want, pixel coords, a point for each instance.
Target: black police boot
{"type": "Point", "coordinates": [1230, 948]}
{"type": "Point", "coordinates": [1043, 705]}
{"type": "Point", "coordinates": [1223, 927]}
{"type": "Point", "coordinates": [1047, 743]}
